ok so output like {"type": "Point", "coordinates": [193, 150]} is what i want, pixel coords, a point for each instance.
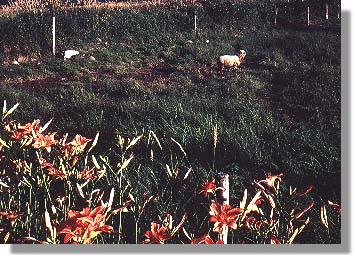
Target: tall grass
{"type": "Point", "coordinates": [61, 191]}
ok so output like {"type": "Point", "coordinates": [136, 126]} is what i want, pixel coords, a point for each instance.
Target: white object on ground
{"type": "Point", "coordinates": [70, 53]}
{"type": "Point", "coordinates": [91, 58]}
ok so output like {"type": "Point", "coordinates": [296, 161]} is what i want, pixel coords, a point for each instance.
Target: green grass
{"type": "Point", "coordinates": [283, 104]}
{"type": "Point", "coordinates": [280, 112]}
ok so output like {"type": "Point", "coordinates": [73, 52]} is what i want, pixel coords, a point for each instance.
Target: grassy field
{"type": "Point", "coordinates": [279, 112]}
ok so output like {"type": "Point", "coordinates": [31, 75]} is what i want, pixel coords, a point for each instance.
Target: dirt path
{"type": "Point", "coordinates": [152, 73]}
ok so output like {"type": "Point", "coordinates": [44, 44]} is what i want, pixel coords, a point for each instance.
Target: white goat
{"type": "Point", "coordinates": [231, 61]}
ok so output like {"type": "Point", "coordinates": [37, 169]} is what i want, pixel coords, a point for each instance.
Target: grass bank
{"type": "Point", "coordinates": [279, 112]}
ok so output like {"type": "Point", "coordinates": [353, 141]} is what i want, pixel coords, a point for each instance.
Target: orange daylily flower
{"type": "Point", "coordinates": [17, 135]}
{"type": "Point", "coordinates": [206, 239]}
{"type": "Point", "coordinates": [88, 174]}
{"type": "Point", "coordinates": [208, 187]}
{"type": "Point", "coordinates": [157, 234]}
{"type": "Point", "coordinates": [223, 216]}
{"type": "Point", "coordinates": [52, 171]}
{"type": "Point", "coordinates": [271, 181]}
{"type": "Point", "coordinates": [29, 127]}
{"type": "Point", "coordinates": [44, 141]}
{"type": "Point", "coordinates": [23, 131]}
{"type": "Point", "coordinates": [80, 142]}
{"type": "Point", "coordinates": [83, 226]}
{"type": "Point", "coordinates": [76, 146]}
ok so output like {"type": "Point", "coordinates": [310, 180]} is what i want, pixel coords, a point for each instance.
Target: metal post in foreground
{"type": "Point", "coordinates": [222, 197]}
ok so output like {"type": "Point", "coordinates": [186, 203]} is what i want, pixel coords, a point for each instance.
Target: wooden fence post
{"type": "Point", "coordinates": [275, 17]}
{"type": "Point", "coordinates": [308, 15]}
{"type": "Point", "coordinates": [54, 35]}
{"type": "Point", "coordinates": [195, 23]}
{"type": "Point", "coordinates": [222, 198]}
{"type": "Point", "coordinates": [338, 11]}
{"type": "Point", "coordinates": [327, 12]}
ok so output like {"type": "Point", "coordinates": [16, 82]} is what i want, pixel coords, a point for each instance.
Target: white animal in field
{"type": "Point", "coordinates": [70, 53]}
{"type": "Point", "coordinates": [231, 61]}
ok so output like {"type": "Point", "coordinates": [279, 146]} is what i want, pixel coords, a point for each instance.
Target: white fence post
{"type": "Point", "coordinates": [54, 35]}
{"type": "Point", "coordinates": [222, 198]}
